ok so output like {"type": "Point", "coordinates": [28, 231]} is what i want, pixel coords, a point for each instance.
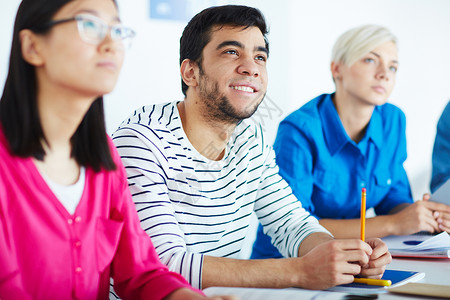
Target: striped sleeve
{"type": "Point", "coordinates": [280, 212]}
{"type": "Point", "coordinates": [140, 149]}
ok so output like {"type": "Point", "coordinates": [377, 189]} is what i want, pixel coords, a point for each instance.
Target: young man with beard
{"type": "Point", "coordinates": [198, 168]}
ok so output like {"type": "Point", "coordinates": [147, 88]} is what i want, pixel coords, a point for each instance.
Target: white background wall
{"type": "Point", "coordinates": [302, 34]}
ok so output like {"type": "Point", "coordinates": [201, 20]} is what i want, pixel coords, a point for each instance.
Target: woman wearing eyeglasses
{"type": "Point", "coordinates": [67, 221]}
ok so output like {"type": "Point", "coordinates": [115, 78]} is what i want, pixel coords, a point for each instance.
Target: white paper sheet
{"type": "Point", "coordinates": [423, 242]}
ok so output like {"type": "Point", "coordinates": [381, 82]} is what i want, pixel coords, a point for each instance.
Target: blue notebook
{"type": "Point", "coordinates": [396, 276]}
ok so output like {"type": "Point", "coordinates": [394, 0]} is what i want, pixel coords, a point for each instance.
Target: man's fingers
{"type": "Point", "coordinates": [379, 249]}
{"type": "Point", "coordinates": [353, 244]}
{"type": "Point", "coordinates": [350, 268]}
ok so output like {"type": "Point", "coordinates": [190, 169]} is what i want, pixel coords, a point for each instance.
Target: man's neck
{"type": "Point", "coordinates": [208, 138]}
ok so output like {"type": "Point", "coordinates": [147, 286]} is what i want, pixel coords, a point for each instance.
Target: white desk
{"type": "Point", "coordinates": [437, 271]}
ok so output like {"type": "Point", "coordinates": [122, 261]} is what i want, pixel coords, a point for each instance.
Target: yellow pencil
{"type": "Point", "coordinates": [370, 281]}
{"type": "Point", "coordinates": [363, 214]}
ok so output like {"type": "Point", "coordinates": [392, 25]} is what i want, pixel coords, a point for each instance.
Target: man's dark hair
{"type": "Point", "coordinates": [19, 116]}
{"type": "Point", "coordinates": [197, 33]}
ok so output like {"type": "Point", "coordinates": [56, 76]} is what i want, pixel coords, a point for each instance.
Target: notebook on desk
{"type": "Point", "coordinates": [397, 277]}
{"type": "Point", "coordinates": [419, 245]}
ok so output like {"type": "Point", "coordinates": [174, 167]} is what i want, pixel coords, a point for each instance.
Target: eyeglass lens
{"type": "Point", "coordinates": [93, 30]}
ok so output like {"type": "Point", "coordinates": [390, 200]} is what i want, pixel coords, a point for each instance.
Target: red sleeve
{"type": "Point", "coordinates": [11, 286]}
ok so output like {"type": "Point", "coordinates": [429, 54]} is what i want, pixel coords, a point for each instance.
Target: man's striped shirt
{"type": "Point", "coordinates": [191, 206]}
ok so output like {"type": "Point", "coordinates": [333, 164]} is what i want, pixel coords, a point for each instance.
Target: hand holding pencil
{"type": "Point", "coordinates": [337, 261]}
{"type": "Point", "coordinates": [380, 256]}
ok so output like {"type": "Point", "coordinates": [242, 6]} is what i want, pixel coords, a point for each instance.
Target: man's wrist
{"type": "Point", "coordinates": [312, 241]}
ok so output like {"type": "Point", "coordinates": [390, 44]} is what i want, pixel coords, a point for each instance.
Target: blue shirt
{"type": "Point", "coordinates": [441, 151]}
{"type": "Point", "coordinates": [326, 169]}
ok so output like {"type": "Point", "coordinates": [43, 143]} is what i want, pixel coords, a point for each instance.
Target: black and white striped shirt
{"type": "Point", "coordinates": [192, 206]}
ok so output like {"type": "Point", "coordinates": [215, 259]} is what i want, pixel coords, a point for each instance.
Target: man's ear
{"type": "Point", "coordinates": [29, 43]}
{"type": "Point", "coordinates": [335, 70]}
{"type": "Point", "coordinates": [189, 72]}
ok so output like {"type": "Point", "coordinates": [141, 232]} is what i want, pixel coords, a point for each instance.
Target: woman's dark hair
{"type": "Point", "coordinates": [19, 116]}
{"type": "Point", "coordinates": [197, 33]}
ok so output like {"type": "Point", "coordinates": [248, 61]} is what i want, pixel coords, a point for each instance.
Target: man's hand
{"type": "Point", "coordinates": [379, 258]}
{"type": "Point", "coordinates": [336, 262]}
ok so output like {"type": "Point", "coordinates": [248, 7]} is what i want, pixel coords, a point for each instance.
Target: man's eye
{"type": "Point", "coordinates": [231, 52]}
{"type": "Point", "coordinates": [261, 57]}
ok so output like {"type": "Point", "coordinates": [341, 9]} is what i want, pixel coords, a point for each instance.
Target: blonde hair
{"type": "Point", "coordinates": [357, 42]}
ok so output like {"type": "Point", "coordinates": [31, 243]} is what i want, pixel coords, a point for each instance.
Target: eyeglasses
{"type": "Point", "coordinates": [93, 30]}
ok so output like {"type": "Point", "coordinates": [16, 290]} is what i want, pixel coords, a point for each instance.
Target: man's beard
{"type": "Point", "coordinates": [218, 107]}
